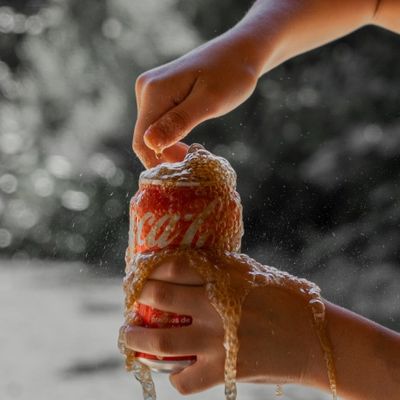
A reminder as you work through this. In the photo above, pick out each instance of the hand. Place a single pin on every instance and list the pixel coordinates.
(277, 339)
(172, 99)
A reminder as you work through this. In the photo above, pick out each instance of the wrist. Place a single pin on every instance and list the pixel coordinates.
(280, 30)
(256, 48)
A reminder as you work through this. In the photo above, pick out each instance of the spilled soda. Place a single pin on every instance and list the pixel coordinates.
(191, 208)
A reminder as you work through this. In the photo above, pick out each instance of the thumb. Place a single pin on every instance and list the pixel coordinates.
(177, 123)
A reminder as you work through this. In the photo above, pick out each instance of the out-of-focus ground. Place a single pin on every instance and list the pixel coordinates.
(58, 332)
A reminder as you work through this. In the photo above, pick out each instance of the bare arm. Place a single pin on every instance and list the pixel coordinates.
(387, 14)
(366, 356)
(221, 74)
(278, 342)
(291, 27)
(211, 81)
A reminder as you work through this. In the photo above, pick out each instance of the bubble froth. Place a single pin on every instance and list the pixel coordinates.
(227, 296)
(213, 178)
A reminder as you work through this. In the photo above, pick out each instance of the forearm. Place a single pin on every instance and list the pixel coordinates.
(277, 30)
(366, 357)
(387, 15)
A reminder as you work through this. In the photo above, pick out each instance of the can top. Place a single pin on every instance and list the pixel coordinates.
(198, 168)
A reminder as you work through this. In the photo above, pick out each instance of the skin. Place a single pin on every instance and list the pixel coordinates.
(216, 77)
(288, 351)
(206, 83)
(175, 287)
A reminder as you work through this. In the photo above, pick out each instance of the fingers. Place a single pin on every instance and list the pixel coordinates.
(203, 374)
(163, 120)
(155, 97)
(177, 269)
(150, 108)
(180, 299)
(175, 124)
(184, 341)
(147, 157)
(176, 152)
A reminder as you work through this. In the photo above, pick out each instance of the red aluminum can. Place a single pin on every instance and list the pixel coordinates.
(202, 210)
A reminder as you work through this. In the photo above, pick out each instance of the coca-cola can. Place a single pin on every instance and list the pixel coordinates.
(174, 214)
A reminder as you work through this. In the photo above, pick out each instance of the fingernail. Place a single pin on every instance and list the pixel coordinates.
(153, 137)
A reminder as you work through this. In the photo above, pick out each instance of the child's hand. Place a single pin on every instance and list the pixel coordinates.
(219, 75)
(277, 340)
(205, 83)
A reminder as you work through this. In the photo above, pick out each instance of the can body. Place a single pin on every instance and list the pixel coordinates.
(172, 216)
(152, 318)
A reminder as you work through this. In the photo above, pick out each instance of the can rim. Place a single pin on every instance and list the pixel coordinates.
(163, 366)
(148, 181)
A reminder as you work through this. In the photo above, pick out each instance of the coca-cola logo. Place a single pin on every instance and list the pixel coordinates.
(150, 231)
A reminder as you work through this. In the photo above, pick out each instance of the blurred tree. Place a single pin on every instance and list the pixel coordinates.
(316, 148)
(65, 119)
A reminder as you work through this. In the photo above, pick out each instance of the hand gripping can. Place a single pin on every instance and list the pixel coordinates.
(194, 204)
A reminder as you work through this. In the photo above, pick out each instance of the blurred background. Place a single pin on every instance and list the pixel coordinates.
(316, 149)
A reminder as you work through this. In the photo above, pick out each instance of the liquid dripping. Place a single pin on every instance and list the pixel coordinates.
(228, 275)
(278, 391)
(141, 372)
(228, 278)
(143, 375)
(318, 312)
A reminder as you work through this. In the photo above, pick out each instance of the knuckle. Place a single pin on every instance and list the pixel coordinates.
(147, 81)
(135, 147)
(141, 81)
(151, 84)
(161, 295)
(183, 388)
(173, 271)
(138, 146)
(163, 344)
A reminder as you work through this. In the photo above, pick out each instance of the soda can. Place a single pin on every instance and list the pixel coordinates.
(173, 213)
